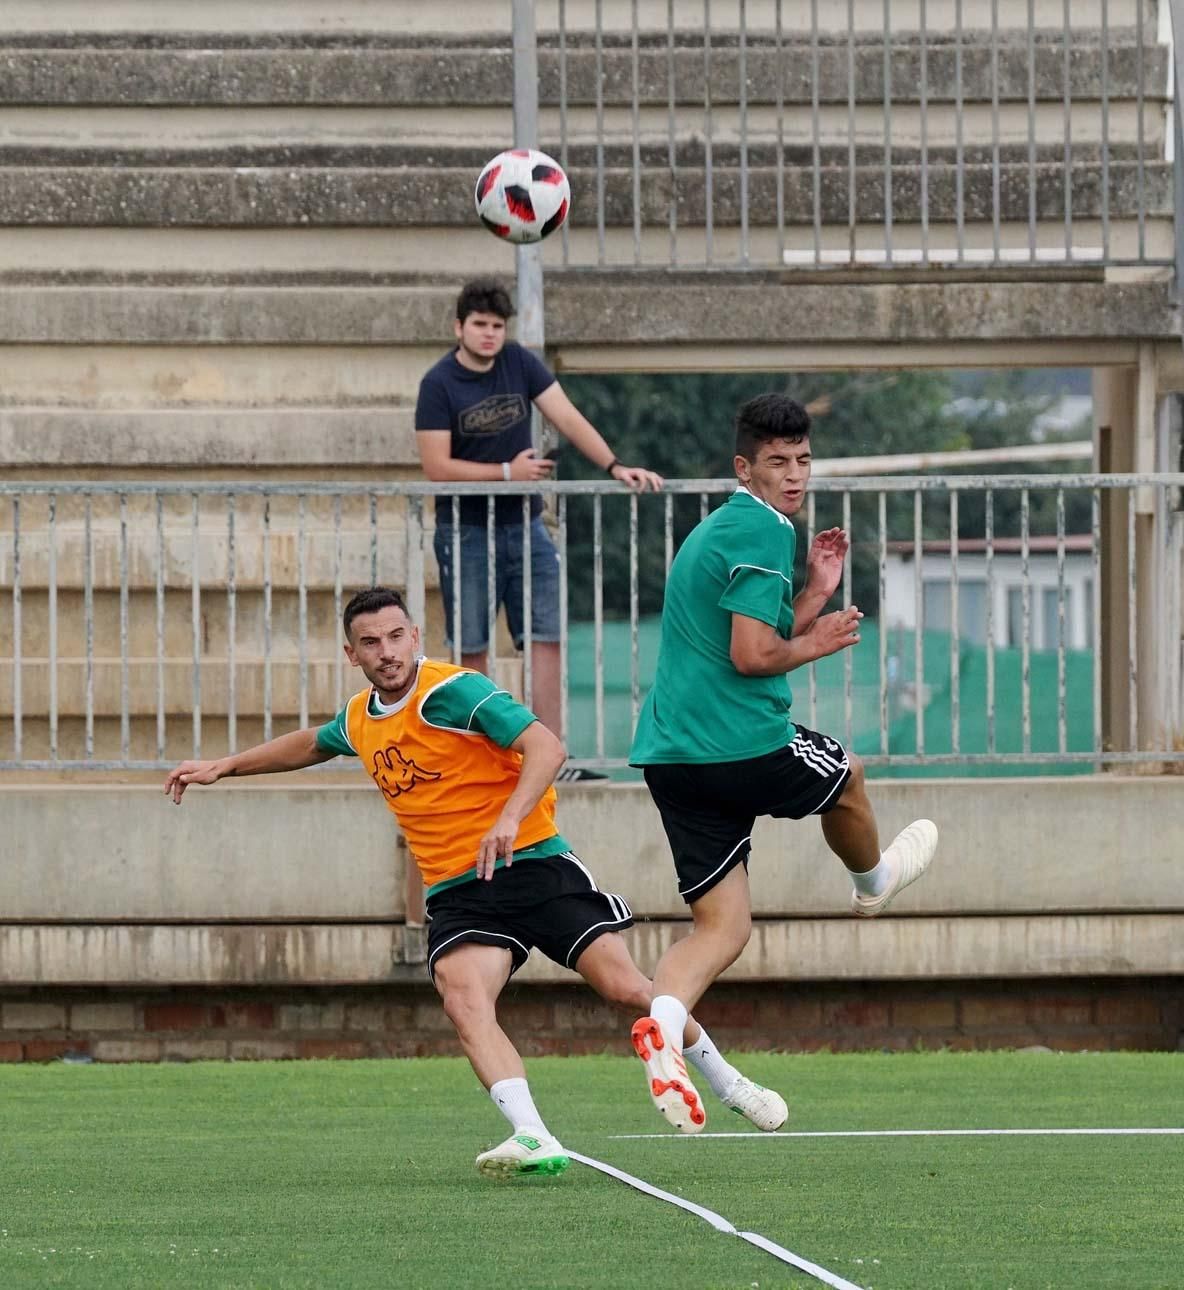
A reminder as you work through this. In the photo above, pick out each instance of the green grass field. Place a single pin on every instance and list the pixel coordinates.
(344, 1174)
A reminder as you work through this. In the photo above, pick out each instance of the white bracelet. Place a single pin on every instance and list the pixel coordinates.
(506, 471)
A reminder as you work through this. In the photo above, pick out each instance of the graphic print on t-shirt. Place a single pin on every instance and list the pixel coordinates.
(493, 415)
(395, 774)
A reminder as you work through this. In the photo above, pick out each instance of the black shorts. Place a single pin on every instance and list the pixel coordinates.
(708, 810)
(551, 902)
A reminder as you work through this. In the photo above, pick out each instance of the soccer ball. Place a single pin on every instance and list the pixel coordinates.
(522, 195)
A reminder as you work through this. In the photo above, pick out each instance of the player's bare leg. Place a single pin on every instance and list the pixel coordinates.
(609, 969)
(469, 980)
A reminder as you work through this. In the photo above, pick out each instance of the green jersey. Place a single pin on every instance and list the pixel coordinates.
(739, 560)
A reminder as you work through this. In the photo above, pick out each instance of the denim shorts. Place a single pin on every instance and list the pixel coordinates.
(508, 568)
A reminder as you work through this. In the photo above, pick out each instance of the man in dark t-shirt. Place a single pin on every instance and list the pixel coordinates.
(473, 424)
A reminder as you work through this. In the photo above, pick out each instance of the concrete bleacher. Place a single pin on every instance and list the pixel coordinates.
(231, 239)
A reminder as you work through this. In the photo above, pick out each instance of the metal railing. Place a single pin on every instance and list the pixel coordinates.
(150, 622)
(760, 133)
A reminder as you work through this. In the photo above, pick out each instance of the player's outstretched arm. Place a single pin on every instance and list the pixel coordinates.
(757, 649)
(542, 756)
(292, 751)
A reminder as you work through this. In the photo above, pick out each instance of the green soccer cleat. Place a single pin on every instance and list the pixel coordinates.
(521, 1155)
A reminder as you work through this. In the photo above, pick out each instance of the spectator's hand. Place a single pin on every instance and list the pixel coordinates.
(190, 772)
(529, 466)
(639, 479)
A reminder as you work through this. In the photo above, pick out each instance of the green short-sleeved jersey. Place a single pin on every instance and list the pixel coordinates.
(469, 702)
(739, 560)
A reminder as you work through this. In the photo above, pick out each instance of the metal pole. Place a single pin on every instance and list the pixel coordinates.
(526, 135)
(1177, 11)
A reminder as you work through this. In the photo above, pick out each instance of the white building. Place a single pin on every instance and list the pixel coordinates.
(1006, 590)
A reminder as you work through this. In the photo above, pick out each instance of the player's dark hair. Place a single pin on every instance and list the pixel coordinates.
(768, 417)
(371, 601)
(484, 296)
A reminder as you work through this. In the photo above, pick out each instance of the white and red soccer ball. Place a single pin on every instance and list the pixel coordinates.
(522, 195)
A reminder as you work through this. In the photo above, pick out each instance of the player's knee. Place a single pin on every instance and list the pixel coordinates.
(464, 1003)
(629, 994)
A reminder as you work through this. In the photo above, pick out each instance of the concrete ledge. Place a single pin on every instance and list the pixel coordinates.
(479, 73)
(831, 949)
(601, 309)
(222, 439)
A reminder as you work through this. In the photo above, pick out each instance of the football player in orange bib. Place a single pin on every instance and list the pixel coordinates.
(468, 773)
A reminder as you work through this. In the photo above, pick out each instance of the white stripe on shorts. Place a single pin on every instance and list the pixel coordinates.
(583, 868)
(814, 757)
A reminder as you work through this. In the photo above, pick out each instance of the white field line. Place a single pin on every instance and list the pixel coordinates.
(720, 1223)
(903, 1133)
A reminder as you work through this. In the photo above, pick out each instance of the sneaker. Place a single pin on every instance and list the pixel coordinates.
(524, 1153)
(759, 1106)
(570, 774)
(909, 856)
(670, 1087)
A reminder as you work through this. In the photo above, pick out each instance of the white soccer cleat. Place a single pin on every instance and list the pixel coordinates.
(760, 1106)
(908, 856)
(666, 1073)
(524, 1153)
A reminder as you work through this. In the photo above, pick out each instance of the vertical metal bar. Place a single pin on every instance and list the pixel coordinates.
(704, 507)
(1068, 127)
(457, 625)
(811, 521)
(883, 622)
(1032, 207)
(996, 176)
(852, 175)
(1062, 720)
(1096, 624)
(599, 66)
(815, 138)
(848, 658)
(708, 163)
(52, 610)
(527, 259)
(919, 629)
(1026, 638)
(924, 134)
(887, 132)
(1132, 638)
(125, 695)
(17, 661)
(302, 603)
(959, 142)
(1140, 134)
(668, 531)
(955, 633)
(989, 560)
(231, 627)
(636, 114)
(563, 149)
(88, 612)
(491, 585)
(634, 618)
(1104, 57)
(338, 608)
(267, 692)
(416, 592)
(598, 616)
(743, 68)
(195, 618)
(374, 538)
(527, 606)
(671, 132)
(160, 679)
(564, 678)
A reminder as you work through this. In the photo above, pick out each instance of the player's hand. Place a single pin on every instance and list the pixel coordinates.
(191, 772)
(528, 466)
(825, 559)
(833, 632)
(638, 479)
(499, 841)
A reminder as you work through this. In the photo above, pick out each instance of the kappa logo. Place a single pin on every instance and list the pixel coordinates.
(395, 775)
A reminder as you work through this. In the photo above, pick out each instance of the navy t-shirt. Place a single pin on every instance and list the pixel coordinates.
(489, 416)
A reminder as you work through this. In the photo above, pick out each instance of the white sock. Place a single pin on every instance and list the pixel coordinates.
(671, 1013)
(512, 1098)
(874, 882)
(706, 1059)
